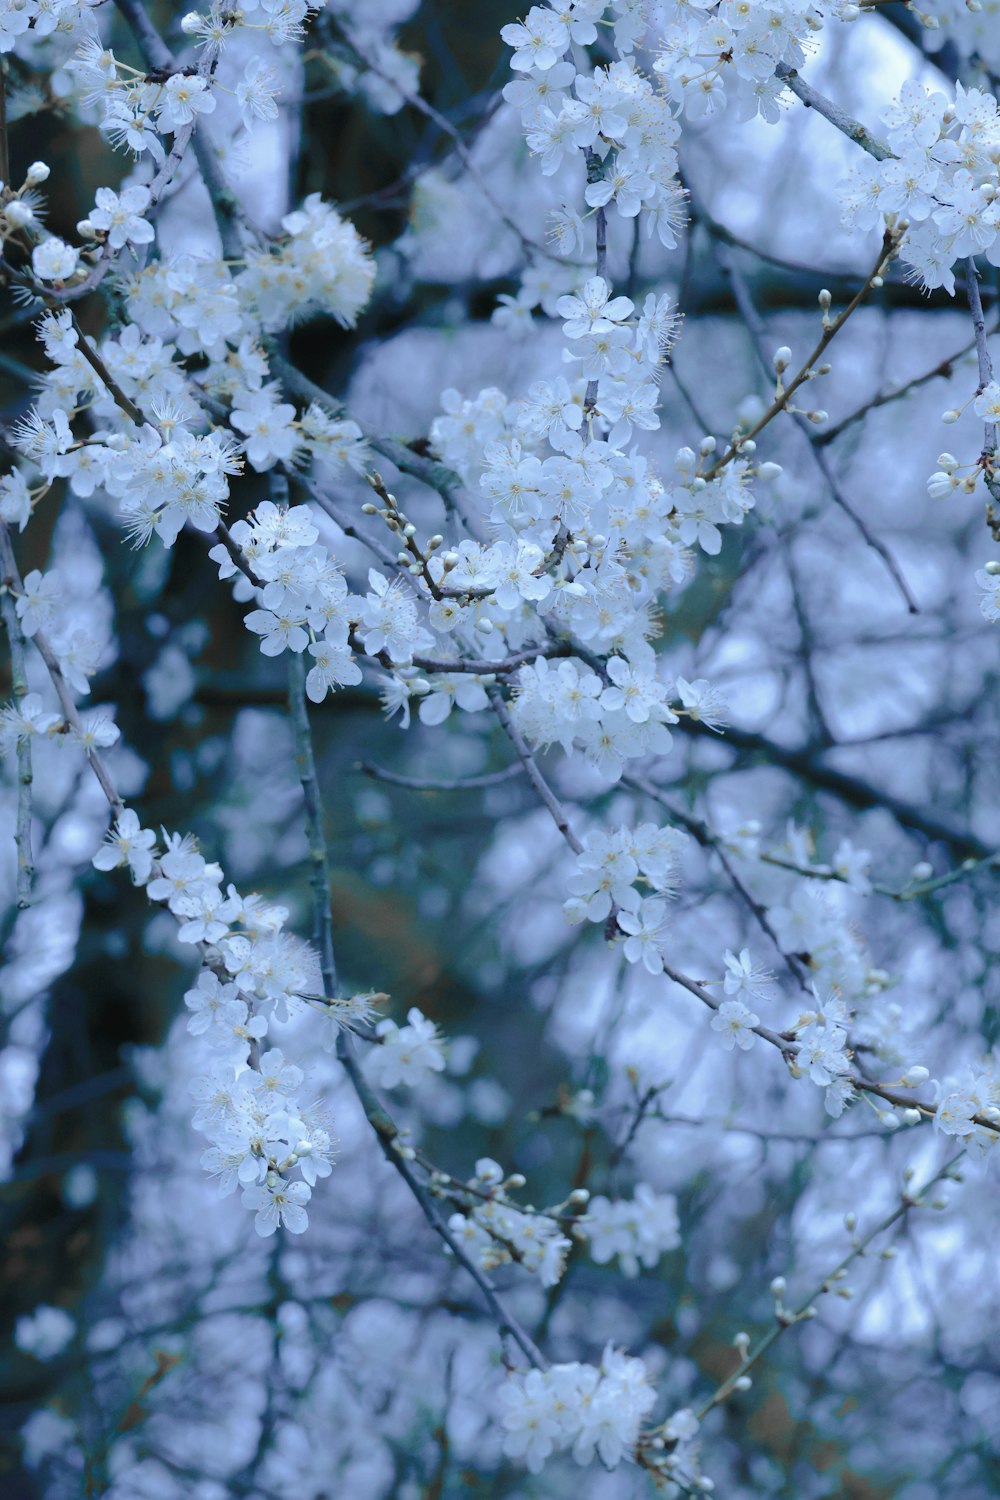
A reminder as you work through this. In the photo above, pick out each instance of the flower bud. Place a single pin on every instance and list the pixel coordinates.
(782, 358)
(992, 568)
(914, 1076)
(951, 415)
(36, 173)
(190, 23)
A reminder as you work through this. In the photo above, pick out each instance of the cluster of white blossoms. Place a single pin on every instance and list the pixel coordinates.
(249, 1104)
(30, 21)
(555, 614)
(975, 1091)
(636, 1231)
(617, 123)
(587, 1410)
(496, 1232)
(406, 1055)
(711, 55)
(941, 178)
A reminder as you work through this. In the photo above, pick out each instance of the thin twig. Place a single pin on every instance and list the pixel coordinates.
(45, 651)
(385, 1128)
(987, 459)
(19, 688)
(837, 117)
(545, 793)
(421, 784)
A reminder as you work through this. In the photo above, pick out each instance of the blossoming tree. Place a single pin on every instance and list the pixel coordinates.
(526, 899)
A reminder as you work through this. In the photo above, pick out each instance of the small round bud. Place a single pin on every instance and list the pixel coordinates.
(450, 560)
(579, 1195)
(369, 509)
(742, 1383)
(992, 568)
(782, 358)
(86, 229)
(949, 416)
(409, 529)
(947, 461)
(850, 1222)
(922, 870)
(434, 543)
(741, 1341)
(190, 23)
(769, 471)
(911, 1117)
(36, 173)
(778, 1286)
(516, 1180)
(818, 417)
(749, 446)
(707, 445)
(915, 1076)
(825, 298)
(877, 281)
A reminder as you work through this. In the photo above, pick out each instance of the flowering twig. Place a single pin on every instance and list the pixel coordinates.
(808, 370)
(755, 327)
(786, 1318)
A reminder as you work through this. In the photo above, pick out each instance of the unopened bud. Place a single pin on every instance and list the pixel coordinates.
(36, 173)
(190, 23)
(742, 1383)
(778, 1286)
(782, 358)
(951, 415)
(992, 568)
(914, 1076)
(825, 299)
